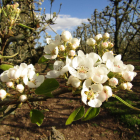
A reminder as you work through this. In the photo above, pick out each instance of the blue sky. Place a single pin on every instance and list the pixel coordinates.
(72, 13)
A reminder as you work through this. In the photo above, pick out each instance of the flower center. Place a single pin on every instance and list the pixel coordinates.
(82, 69)
(90, 95)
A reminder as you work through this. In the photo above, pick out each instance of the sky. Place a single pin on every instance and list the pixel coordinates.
(72, 13)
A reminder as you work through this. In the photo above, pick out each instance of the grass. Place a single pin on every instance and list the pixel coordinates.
(132, 60)
(124, 114)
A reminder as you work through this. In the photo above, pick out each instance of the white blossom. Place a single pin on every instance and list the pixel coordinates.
(34, 82)
(51, 51)
(23, 98)
(90, 42)
(20, 88)
(66, 36)
(74, 81)
(113, 81)
(2, 94)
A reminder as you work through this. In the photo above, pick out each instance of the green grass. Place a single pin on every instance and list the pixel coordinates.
(132, 60)
(137, 67)
(124, 114)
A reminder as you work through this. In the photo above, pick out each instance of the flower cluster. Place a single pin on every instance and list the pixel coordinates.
(12, 13)
(97, 76)
(20, 77)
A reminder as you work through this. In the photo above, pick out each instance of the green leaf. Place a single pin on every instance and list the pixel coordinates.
(91, 113)
(76, 115)
(5, 66)
(48, 85)
(124, 102)
(36, 117)
(42, 60)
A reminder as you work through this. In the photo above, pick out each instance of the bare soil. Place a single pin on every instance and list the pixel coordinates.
(18, 126)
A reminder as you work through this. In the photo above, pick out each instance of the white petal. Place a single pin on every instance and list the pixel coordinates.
(95, 103)
(53, 74)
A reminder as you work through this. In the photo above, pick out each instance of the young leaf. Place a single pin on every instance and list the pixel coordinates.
(76, 115)
(42, 60)
(91, 113)
(36, 117)
(48, 85)
(5, 67)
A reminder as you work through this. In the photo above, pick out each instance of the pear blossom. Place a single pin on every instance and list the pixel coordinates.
(2, 94)
(23, 98)
(90, 42)
(110, 45)
(51, 51)
(104, 45)
(123, 86)
(106, 36)
(105, 93)
(34, 82)
(98, 37)
(128, 75)
(75, 43)
(90, 93)
(14, 73)
(81, 67)
(114, 64)
(113, 81)
(61, 47)
(129, 85)
(74, 81)
(99, 74)
(20, 88)
(66, 36)
(72, 53)
(57, 40)
(59, 69)
(10, 84)
(4, 76)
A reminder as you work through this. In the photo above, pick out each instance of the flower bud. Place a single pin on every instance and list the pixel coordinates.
(61, 47)
(16, 4)
(20, 88)
(113, 82)
(123, 86)
(104, 45)
(54, 14)
(39, 3)
(129, 85)
(128, 75)
(10, 84)
(110, 45)
(74, 81)
(98, 37)
(2, 94)
(18, 11)
(23, 98)
(106, 36)
(39, 9)
(66, 36)
(90, 42)
(108, 91)
(8, 6)
(75, 43)
(72, 53)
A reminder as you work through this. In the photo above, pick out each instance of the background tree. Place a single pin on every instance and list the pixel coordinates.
(120, 19)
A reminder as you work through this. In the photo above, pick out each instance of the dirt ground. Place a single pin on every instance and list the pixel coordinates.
(18, 126)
